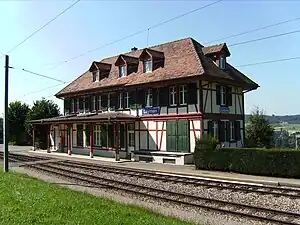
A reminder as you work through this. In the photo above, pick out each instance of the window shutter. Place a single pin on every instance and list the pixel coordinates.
(141, 98)
(155, 96)
(227, 131)
(237, 129)
(192, 93)
(132, 99)
(218, 94)
(210, 130)
(163, 96)
(229, 96)
(221, 130)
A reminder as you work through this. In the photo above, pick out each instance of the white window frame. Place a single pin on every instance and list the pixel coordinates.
(97, 135)
(99, 102)
(182, 94)
(149, 98)
(126, 100)
(97, 74)
(223, 95)
(222, 62)
(146, 62)
(77, 104)
(172, 95)
(72, 105)
(108, 101)
(120, 71)
(121, 100)
(232, 130)
(215, 128)
(93, 103)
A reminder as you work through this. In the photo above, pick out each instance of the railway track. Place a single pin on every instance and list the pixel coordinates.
(254, 212)
(247, 188)
(14, 157)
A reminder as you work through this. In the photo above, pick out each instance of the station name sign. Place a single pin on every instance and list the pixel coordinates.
(150, 110)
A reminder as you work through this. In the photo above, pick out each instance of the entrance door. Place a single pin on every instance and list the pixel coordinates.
(178, 138)
(130, 137)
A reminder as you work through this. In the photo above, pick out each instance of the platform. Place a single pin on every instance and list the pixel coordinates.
(186, 170)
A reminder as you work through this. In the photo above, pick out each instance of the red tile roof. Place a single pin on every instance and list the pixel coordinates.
(182, 58)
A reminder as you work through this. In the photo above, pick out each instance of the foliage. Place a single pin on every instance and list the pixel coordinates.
(1, 130)
(17, 113)
(266, 162)
(273, 119)
(41, 109)
(204, 145)
(31, 201)
(259, 132)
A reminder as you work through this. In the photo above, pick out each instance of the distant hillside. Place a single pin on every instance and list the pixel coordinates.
(291, 119)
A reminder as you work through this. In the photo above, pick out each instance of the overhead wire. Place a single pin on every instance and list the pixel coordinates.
(268, 62)
(254, 30)
(135, 33)
(46, 24)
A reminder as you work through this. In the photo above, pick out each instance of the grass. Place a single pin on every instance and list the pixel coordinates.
(25, 200)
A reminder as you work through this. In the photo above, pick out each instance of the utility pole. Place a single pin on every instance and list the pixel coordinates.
(5, 119)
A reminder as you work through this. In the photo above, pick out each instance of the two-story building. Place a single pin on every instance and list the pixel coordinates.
(152, 104)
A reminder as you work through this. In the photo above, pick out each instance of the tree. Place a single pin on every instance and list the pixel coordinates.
(1, 130)
(259, 132)
(41, 109)
(17, 113)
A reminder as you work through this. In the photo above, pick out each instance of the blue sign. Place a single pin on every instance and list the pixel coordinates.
(150, 110)
(224, 109)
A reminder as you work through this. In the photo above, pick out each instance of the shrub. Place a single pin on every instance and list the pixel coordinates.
(266, 162)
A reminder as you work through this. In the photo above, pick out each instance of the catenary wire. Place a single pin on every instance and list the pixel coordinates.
(268, 62)
(134, 34)
(35, 32)
(253, 30)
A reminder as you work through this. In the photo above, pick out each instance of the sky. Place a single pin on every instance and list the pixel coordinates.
(94, 23)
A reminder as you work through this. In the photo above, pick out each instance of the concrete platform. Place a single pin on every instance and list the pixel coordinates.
(187, 170)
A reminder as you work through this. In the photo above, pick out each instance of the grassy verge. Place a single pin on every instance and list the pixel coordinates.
(30, 201)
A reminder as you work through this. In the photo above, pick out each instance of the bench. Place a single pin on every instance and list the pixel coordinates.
(177, 158)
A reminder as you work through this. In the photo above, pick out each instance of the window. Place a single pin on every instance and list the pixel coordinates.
(99, 102)
(223, 95)
(232, 131)
(126, 100)
(130, 128)
(149, 98)
(77, 105)
(120, 100)
(213, 128)
(93, 107)
(222, 62)
(95, 76)
(72, 105)
(108, 101)
(172, 96)
(97, 135)
(182, 94)
(148, 66)
(122, 70)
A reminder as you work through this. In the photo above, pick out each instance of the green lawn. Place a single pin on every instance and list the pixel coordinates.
(24, 200)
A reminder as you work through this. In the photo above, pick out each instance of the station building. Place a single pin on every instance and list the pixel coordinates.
(152, 103)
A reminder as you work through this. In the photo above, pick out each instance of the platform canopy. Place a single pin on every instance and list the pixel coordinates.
(87, 117)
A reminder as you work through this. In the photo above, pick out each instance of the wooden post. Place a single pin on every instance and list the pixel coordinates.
(117, 140)
(33, 138)
(91, 125)
(69, 130)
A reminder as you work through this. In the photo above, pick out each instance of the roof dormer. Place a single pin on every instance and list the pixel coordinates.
(99, 70)
(151, 59)
(218, 54)
(127, 65)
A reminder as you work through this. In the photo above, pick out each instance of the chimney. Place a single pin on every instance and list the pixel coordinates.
(134, 49)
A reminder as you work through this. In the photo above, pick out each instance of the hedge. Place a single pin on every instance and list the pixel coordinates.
(266, 162)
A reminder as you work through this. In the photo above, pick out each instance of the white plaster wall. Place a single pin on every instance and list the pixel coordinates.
(160, 125)
(152, 140)
(152, 125)
(137, 147)
(143, 137)
(164, 141)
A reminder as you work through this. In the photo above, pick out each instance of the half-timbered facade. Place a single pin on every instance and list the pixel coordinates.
(153, 103)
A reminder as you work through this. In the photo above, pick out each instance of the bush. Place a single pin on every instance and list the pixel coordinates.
(266, 162)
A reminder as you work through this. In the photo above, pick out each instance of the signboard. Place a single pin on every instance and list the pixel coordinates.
(224, 109)
(151, 110)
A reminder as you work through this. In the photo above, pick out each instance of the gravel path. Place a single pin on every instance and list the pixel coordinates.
(198, 216)
(267, 201)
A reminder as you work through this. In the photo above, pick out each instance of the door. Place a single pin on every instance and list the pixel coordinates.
(80, 135)
(178, 136)
(130, 137)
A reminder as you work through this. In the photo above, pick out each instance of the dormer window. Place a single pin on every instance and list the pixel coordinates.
(95, 76)
(148, 66)
(122, 71)
(223, 62)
